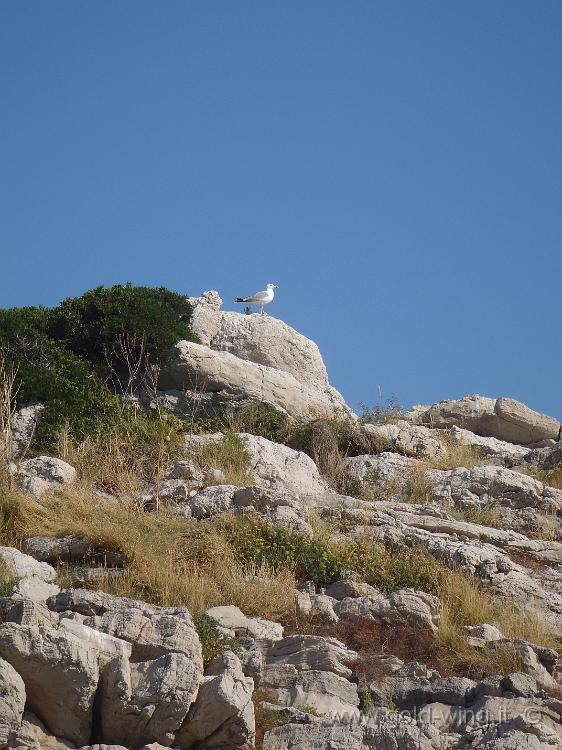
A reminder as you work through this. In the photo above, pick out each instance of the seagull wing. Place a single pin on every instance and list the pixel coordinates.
(257, 297)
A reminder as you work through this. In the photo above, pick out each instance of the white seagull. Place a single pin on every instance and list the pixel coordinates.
(260, 298)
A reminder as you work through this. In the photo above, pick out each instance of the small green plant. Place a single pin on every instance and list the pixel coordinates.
(387, 413)
(259, 543)
(228, 454)
(213, 642)
(7, 580)
(366, 701)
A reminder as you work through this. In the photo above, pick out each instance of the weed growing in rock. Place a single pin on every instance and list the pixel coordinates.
(228, 454)
(388, 413)
(213, 642)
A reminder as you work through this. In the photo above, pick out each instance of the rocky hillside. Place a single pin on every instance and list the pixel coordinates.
(205, 548)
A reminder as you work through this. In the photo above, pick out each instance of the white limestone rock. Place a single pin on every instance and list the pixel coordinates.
(407, 607)
(222, 716)
(196, 367)
(278, 467)
(408, 439)
(152, 631)
(232, 618)
(12, 698)
(39, 475)
(60, 673)
(502, 418)
(206, 316)
(482, 484)
(147, 701)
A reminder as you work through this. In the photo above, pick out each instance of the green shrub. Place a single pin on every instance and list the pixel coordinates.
(65, 357)
(262, 543)
(389, 570)
(213, 642)
(92, 326)
(7, 580)
(388, 413)
(324, 561)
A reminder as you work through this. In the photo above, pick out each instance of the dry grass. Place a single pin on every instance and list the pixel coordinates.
(137, 451)
(413, 487)
(457, 455)
(550, 477)
(465, 603)
(487, 515)
(169, 561)
(229, 455)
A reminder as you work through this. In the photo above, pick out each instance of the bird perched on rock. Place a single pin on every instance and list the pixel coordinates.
(260, 298)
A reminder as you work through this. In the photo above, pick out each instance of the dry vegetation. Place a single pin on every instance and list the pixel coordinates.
(457, 455)
(486, 515)
(550, 477)
(169, 560)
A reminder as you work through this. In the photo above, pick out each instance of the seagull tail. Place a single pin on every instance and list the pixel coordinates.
(240, 299)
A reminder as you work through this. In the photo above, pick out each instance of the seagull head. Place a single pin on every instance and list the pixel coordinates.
(271, 286)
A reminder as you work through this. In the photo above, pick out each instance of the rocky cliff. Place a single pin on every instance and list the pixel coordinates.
(222, 592)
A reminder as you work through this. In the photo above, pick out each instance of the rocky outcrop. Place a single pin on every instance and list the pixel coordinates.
(152, 631)
(60, 674)
(504, 487)
(258, 338)
(415, 609)
(222, 717)
(198, 368)
(31, 579)
(502, 418)
(39, 475)
(147, 701)
(246, 358)
(396, 732)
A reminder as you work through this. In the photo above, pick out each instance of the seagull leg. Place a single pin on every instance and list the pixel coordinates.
(261, 309)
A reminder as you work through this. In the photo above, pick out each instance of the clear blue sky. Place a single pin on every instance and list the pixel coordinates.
(395, 167)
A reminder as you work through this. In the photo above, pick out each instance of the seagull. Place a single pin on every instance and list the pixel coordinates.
(260, 298)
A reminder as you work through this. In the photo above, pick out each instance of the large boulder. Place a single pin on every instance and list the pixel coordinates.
(12, 698)
(144, 702)
(195, 367)
(407, 607)
(278, 467)
(31, 579)
(152, 631)
(271, 342)
(44, 473)
(60, 672)
(257, 338)
(502, 418)
(222, 717)
(484, 484)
